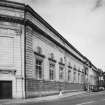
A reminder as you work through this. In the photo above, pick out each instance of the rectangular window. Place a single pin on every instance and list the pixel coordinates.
(69, 75)
(74, 76)
(52, 71)
(39, 70)
(61, 73)
(78, 77)
(82, 78)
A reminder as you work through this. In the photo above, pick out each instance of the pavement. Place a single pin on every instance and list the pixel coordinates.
(39, 99)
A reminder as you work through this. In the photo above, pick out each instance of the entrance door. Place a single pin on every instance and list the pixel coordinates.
(5, 89)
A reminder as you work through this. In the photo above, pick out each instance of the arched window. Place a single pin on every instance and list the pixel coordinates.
(39, 50)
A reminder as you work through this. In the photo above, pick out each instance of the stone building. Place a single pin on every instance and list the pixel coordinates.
(91, 75)
(35, 59)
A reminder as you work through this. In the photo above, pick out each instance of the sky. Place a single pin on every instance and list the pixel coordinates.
(81, 22)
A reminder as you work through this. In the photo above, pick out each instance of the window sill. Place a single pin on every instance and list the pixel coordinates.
(53, 60)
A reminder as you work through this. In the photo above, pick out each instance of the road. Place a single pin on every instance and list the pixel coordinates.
(97, 98)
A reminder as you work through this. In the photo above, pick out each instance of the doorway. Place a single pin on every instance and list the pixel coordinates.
(5, 89)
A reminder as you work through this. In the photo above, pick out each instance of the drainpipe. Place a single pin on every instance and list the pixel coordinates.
(25, 49)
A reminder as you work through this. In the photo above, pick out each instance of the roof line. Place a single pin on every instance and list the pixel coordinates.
(36, 15)
(13, 4)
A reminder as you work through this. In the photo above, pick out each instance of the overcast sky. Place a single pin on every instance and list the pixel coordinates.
(81, 22)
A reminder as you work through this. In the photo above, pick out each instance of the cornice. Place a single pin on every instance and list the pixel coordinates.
(12, 19)
(27, 8)
(21, 6)
(11, 4)
(50, 38)
(29, 23)
(37, 16)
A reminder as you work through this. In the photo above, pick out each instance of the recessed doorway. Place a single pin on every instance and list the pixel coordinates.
(5, 89)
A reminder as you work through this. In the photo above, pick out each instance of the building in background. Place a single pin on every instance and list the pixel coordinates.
(101, 78)
(35, 59)
(91, 75)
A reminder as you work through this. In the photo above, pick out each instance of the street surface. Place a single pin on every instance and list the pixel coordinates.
(84, 98)
(97, 98)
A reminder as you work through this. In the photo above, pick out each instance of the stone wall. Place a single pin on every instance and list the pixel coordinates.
(35, 88)
(12, 56)
(29, 52)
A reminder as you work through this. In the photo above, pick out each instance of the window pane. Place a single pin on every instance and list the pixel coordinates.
(51, 71)
(61, 73)
(69, 74)
(40, 62)
(37, 62)
(74, 76)
(40, 74)
(38, 69)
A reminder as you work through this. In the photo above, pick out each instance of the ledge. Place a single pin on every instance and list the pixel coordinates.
(53, 60)
(8, 70)
(43, 56)
(61, 63)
